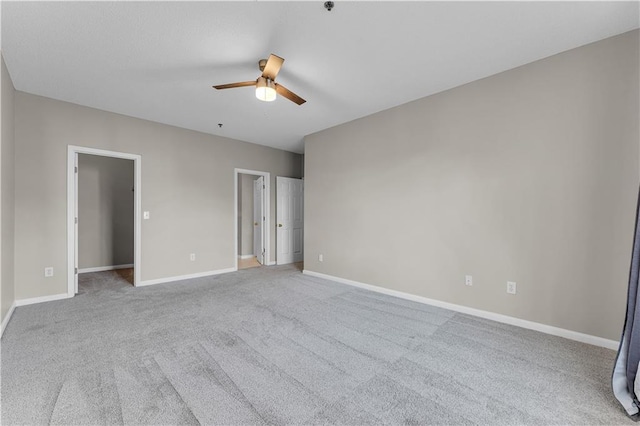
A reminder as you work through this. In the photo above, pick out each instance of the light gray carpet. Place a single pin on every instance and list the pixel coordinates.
(270, 345)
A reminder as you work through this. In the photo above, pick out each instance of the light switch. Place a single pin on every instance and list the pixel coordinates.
(145, 215)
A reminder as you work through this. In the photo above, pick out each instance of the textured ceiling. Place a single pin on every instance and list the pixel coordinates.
(158, 60)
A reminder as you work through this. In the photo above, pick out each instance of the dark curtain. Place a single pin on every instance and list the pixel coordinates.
(625, 387)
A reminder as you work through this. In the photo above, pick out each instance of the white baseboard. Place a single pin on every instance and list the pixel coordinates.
(185, 277)
(105, 268)
(41, 299)
(273, 262)
(548, 329)
(7, 318)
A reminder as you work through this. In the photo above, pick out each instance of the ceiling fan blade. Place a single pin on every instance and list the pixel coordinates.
(283, 91)
(232, 85)
(274, 63)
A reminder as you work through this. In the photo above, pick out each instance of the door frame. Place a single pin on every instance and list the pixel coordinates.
(72, 203)
(267, 210)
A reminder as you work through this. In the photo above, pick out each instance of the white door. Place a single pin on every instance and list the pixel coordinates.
(258, 219)
(289, 238)
(75, 229)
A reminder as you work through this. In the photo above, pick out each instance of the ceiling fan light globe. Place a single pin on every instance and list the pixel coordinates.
(265, 90)
(266, 94)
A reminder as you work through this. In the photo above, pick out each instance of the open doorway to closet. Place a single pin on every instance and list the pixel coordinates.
(104, 219)
(252, 218)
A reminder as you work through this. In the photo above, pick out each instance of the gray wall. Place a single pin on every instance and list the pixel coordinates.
(105, 211)
(7, 294)
(245, 214)
(530, 175)
(187, 186)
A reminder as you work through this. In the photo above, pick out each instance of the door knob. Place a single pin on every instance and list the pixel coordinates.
(279, 225)
(255, 223)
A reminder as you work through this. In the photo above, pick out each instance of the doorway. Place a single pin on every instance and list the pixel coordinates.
(104, 199)
(252, 218)
(105, 221)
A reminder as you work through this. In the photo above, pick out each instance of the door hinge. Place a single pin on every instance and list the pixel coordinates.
(76, 220)
(264, 218)
(264, 187)
(76, 169)
(76, 269)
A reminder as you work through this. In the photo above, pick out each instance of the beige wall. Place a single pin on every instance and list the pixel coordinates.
(187, 186)
(530, 175)
(7, 294)
(245, 214)
(105, 211)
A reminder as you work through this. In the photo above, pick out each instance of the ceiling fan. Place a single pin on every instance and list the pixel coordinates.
(266, 87)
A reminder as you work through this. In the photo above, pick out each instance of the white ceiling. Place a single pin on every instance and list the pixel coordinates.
(158, 60)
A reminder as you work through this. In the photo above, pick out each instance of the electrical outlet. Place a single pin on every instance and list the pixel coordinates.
(192, 257)
(145, 215)
(320, 258)
(468, 280)
(511, 287)
(48, 271)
